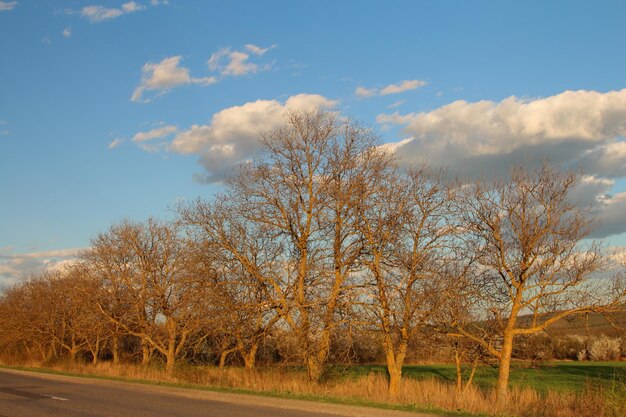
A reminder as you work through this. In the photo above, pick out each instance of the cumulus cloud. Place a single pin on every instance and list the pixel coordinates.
(5, 6)
(608, 159)
(575, 129)
(165, 75)
(484, 137)
(401, 87)
(96, 13)
(591, 190)
(18, 266)
(232, 137)
(67, 32)
(612, 216)
(236, 63)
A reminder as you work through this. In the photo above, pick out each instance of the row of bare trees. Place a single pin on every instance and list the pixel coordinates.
(325, 236)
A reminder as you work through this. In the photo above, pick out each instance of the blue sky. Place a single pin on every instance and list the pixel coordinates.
(114, 109)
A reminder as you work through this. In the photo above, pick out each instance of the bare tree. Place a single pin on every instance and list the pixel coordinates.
(298, 200)
(163, 300)
(247, 294)
(50, 314)
(529, 241)
(25, 325)
(405, 222)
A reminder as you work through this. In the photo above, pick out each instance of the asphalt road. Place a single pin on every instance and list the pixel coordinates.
(25, 394)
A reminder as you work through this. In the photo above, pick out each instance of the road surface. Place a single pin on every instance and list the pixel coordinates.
(27, 394)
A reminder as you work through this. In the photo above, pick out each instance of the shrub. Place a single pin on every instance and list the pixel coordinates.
(568, 347)
(605, 348)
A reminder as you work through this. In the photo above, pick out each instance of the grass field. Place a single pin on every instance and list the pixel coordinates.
(556, 376)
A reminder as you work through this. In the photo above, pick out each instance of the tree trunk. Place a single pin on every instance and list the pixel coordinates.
(459, 370)
(395, 378)
(170, 357)
(314, 369)
(223, 357)
(116, 349)
(145, 353)
(471, 377)
(73, 351)
(502, 389)
(394, 368)
(95, 352)
(170, 361)
(249, 358)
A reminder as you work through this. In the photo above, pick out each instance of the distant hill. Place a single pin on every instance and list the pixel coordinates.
(592, 324)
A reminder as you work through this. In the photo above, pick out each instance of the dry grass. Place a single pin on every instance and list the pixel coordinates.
(422, 394)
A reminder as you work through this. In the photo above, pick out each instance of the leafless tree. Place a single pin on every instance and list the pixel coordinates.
(246, 294)
(152, 278)
(406, 224)
(299, 203)
(532, 256)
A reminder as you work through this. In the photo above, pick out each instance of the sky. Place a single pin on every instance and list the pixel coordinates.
(114, 109)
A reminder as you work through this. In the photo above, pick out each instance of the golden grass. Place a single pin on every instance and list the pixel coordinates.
(423, 394)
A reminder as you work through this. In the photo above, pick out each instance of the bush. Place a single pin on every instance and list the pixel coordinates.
(569, 347)
(536, 347)
(605, 348)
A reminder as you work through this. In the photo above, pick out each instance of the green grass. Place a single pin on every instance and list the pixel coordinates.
(557, 376)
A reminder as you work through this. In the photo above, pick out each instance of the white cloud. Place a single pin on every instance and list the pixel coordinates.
(132, 6)
(484, 136)
(5, 6)
(396, 104)
(96, 13)
(18, 266)
(165, 75)
(67, 32)
(156, 133)
(158, 2)
(233, 135)
(608, 159)
(236, 63)
(612, 216)
(574, 129)
(115, 143)
(257, 50)
(147, 140)
(365, 92)
(401, 87)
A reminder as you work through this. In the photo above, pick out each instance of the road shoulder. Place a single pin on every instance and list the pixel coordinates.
(227, 397)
